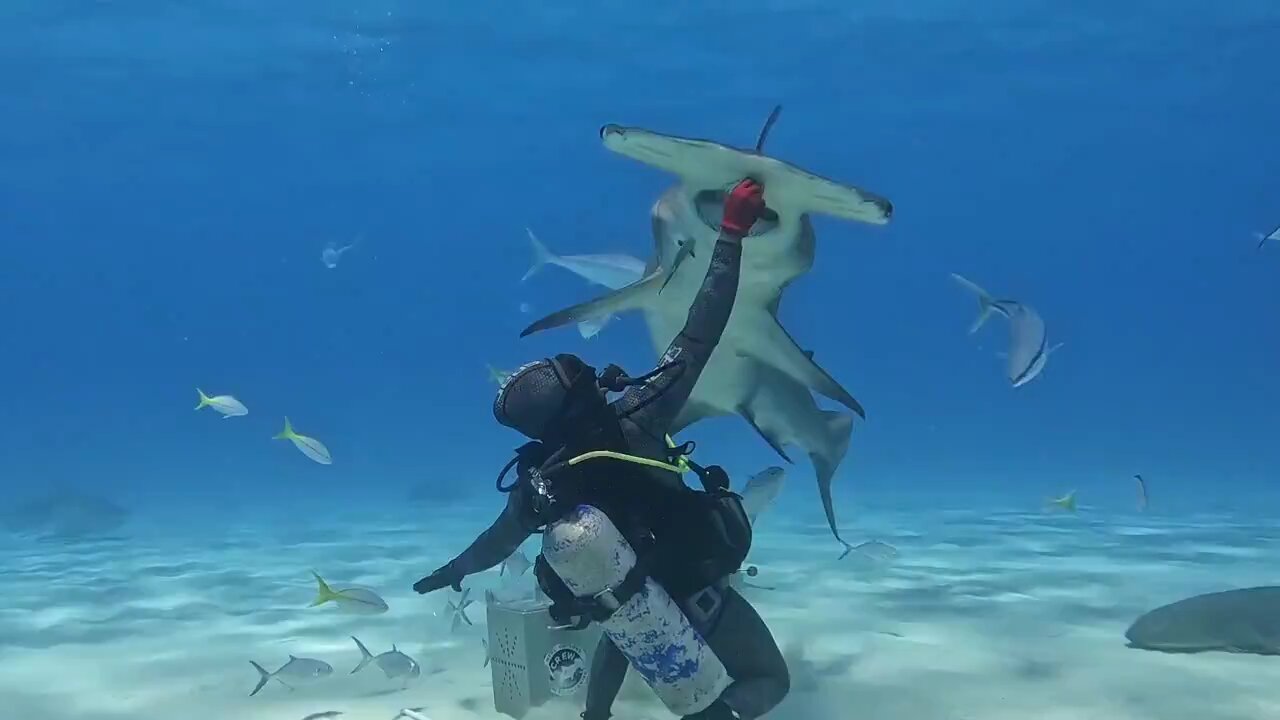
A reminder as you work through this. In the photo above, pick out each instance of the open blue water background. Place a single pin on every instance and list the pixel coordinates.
(170, 174)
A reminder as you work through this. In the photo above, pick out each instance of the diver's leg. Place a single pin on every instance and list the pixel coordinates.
(608, 669)
(746, 647)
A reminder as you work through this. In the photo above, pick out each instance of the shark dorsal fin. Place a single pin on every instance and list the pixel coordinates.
(768, 125)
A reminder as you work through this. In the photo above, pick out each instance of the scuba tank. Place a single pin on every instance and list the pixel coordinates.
(595, 562)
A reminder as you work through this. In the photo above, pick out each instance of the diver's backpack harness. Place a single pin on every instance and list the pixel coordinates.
(703, 536)
(711, 521)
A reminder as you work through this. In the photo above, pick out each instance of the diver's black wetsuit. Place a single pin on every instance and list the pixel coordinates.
(734, 631)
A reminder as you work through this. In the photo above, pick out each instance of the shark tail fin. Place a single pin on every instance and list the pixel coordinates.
(366, 657)
(985, 302)
(542, 256)
(838, 427)
(626, 298)
(263, 678)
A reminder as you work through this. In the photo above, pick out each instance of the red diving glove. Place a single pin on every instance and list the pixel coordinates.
(742, 207)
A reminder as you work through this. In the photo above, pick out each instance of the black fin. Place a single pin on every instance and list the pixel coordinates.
(768, 125)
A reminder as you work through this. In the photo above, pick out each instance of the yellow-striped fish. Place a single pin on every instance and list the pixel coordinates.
(362, 601)
(309, 446)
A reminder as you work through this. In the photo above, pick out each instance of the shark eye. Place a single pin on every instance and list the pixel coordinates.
(710, 207)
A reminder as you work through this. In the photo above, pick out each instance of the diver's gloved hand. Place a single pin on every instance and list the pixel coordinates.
(743, 206)
(447, 575)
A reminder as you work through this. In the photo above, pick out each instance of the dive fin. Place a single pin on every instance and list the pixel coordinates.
(627, 298)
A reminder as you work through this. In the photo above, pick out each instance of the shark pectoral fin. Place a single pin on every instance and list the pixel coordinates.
(773, 441)
(627, 298)
(780, 350)
(839, 427)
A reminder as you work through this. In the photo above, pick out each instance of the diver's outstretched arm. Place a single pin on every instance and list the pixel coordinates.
(493, 546)
(658, 402)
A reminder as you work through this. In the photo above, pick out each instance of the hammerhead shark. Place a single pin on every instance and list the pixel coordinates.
(757, 371)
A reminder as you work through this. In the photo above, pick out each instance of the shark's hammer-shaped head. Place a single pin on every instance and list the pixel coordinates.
(708, 171)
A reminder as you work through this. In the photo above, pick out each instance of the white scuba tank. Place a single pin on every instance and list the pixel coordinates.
(586, 550)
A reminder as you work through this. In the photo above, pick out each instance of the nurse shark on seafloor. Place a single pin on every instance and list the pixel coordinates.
(758, 371)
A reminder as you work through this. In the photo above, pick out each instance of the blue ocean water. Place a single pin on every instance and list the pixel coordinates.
(169, 176)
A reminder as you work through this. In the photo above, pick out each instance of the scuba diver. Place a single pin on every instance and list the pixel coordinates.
(688, 542)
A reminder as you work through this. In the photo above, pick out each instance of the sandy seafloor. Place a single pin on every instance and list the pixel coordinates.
(982, 616)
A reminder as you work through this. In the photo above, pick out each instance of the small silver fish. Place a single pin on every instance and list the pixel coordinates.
(412, 714)
(326, 715)
(393, 663)
(685, 251)
(332, 253)
(458, 611)
(874, 550)
(611, 271)
(516, 565)
(296, 670)
(1028, 342)
(761, 490)
(1274, 235)
(225, 404)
